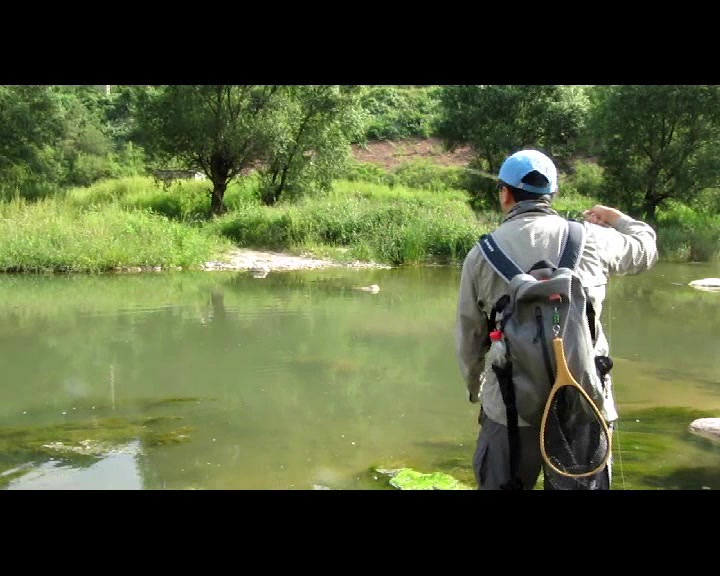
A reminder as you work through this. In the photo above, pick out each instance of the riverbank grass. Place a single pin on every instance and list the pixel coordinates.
(57, 236)
(140, 222)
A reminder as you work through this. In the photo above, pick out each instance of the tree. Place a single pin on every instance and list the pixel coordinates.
(31, 124)
(497, 120)
(219, 130)
(397, 112)
(84, 147)
(312, 132)
(658, 142)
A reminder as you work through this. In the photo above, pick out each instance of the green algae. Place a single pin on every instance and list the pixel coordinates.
(409, 479)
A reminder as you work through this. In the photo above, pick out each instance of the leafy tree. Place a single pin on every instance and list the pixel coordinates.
(219, 130)
(496, 120)
(31, 124)
(311, 135)
(84, 147)
(658, 142)
(397, 112)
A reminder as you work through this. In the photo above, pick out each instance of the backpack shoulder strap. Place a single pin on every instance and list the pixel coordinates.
(508, 269)
(574, 244)
(502, 264)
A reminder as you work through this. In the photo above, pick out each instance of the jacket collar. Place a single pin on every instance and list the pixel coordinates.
(539, 206)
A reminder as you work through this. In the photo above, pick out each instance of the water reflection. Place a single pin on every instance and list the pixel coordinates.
(117, 470)
(220, 381)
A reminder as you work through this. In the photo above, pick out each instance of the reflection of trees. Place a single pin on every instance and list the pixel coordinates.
(217, 302)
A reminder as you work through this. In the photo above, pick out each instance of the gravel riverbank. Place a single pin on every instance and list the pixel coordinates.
(265, 261)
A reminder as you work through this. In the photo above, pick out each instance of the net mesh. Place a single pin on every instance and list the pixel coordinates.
(575, 441)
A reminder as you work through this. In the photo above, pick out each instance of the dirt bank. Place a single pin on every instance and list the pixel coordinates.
(391, 154)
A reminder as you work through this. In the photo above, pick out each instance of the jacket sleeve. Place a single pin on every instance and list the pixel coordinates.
(628, 247)
(471, 330)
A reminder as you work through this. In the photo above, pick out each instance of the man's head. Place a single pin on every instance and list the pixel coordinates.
(527, 175)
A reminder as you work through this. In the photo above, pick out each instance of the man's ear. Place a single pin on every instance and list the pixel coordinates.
(504, 195)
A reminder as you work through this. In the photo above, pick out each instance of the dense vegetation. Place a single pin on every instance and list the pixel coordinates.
(77, 191)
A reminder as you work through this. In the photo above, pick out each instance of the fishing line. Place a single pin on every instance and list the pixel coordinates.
(617, 422)
(482, 173)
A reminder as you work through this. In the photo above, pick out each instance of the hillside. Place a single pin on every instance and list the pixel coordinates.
(391, 154)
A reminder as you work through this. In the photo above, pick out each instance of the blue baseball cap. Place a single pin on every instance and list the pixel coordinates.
(520, 164)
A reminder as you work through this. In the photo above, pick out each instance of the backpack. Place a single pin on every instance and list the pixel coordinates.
(546, 301)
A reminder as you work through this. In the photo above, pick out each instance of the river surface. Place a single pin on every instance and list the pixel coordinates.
(297, 381)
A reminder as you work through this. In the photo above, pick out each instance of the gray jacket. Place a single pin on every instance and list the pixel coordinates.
(628, 247)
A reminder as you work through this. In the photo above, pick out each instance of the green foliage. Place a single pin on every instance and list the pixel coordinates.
(586, 179)
(85, 147)
(397, 112)
(365, 172)
(89, 168)
(260, 227)
(572, 205)
(418, 174)
(59, 136)
(312, 128)
(707, 200)
(185, 200)
(424, 175)
(658, 142)
(20, 181)
(296, 137)
(31, 126)
(497, 120)
(108, 191)
(53, 236)
(687, 235)
(390, 225)
(220, 130)
(119, 111)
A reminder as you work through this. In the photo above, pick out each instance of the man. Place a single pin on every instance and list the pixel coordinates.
(532, 231)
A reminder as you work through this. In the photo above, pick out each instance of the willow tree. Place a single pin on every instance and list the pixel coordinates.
(219, 130)
(496, 120)
(311, 136)
(297, 137)
(658, 142)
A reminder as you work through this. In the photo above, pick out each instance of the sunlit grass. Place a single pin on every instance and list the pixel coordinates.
(56, 236)
(140, 221)
(363, 221)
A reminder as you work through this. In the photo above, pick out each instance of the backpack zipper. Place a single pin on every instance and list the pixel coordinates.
(543, 344)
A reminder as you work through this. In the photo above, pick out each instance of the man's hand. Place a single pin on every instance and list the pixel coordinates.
(602, 215)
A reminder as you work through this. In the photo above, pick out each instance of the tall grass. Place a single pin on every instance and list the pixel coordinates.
(395, 225)
(56, 236)
(688, 235)
(184, 200)
(410, 216)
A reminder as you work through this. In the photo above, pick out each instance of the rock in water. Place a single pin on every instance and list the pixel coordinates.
(706, 427)
(709, 284)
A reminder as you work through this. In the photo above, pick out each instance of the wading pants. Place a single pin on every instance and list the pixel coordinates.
(491, 462)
